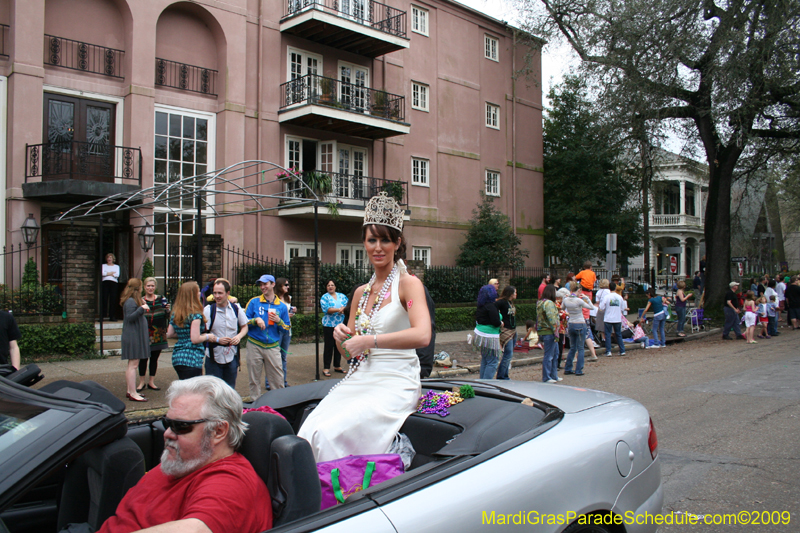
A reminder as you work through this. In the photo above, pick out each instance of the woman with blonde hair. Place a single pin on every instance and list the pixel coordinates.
(188, 326)
(135, 340)
(157, 316)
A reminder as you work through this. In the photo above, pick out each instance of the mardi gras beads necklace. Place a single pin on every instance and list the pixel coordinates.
(364, 322)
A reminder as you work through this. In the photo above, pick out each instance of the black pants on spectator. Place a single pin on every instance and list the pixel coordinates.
(108, 299)
(330, 352)
(153, 364)
(186, 372)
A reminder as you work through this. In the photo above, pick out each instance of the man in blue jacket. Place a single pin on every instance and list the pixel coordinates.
(266, 316)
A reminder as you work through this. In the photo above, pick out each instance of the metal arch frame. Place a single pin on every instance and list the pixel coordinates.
(187, 188)
(162, 195)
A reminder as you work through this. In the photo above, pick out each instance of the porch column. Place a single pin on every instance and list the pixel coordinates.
(682, 262)
(682, 184)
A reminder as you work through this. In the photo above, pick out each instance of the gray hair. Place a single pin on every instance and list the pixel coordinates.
(222, 404)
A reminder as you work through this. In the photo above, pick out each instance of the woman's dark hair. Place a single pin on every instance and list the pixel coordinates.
(508, 292)
(651, 292)
(486, 295)
(386, 232)
(771, 283)
(325, 285)
(549, 293)
(279, 287)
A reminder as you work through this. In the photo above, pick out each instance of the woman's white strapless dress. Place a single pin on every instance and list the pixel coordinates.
(363, 414)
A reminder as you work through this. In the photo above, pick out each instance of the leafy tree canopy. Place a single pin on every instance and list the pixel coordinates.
(491, 242)
(728, 70)
(586, 195)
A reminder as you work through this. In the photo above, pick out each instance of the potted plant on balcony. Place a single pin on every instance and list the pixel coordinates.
(394, 189)
(319, 182)
(326, 91)
(379, 104)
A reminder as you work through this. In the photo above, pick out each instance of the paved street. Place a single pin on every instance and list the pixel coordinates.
(726, 414)
(727, 417)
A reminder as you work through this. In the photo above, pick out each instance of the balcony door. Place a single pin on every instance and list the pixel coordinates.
(355, 9)
(351, 182)
(354, 86)
(78, 139)
(304, 68)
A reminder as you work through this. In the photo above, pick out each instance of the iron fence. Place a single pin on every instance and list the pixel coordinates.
(376, 15)
(186, 77)
(242, 269)
(77, 55)
(77, 160)
(449, 285)
(319, 90)
(25, 290)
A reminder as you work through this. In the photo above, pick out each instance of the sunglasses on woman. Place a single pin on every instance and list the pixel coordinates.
(181, 427)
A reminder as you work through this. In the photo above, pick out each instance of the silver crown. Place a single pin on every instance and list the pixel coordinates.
(384, 211)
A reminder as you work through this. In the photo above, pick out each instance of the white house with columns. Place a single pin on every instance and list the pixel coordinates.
(677, 211)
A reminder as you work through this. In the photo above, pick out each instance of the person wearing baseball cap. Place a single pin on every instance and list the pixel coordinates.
(731, 310)
(266, 316)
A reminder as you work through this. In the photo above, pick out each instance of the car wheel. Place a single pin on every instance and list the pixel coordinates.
(586, 528)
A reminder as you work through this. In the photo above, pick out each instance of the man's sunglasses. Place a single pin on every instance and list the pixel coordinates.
(181, 427)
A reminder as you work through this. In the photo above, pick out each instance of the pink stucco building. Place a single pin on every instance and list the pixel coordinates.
(108, 96)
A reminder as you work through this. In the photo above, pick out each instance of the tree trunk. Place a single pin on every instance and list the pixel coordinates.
(721, 162)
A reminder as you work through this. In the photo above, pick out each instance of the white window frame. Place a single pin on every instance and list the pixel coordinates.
(306, 249)
(420, 96)
(421, 178)
(492, 190)
(492, 116)
(305, 55)
(424, 253)
(491, 47)
(353, 250)
(364, 97)
(419, 20)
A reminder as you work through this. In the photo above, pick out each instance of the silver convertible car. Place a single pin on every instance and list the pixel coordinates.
(519, 456)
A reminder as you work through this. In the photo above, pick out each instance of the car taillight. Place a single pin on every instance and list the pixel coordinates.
(652, 440)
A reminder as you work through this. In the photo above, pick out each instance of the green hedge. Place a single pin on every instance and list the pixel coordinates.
(59, 339)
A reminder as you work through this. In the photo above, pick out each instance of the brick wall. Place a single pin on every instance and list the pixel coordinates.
(81, 271)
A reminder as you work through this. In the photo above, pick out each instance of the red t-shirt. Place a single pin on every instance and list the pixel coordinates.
(226, 495)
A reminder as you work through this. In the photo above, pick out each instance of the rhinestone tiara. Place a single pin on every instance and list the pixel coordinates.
(384, 211)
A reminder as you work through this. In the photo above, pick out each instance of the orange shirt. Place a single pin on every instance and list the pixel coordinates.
(587, 278)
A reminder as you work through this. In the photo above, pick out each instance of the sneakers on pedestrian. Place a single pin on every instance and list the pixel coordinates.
(655, 346)
(551, 381)
(593, 358)
(623, 353)
(560, 379)
(608, 354)
(644, 345)
(568, 372)
(595, 344)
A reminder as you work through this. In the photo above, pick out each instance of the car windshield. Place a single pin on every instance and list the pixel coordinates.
(22, 422)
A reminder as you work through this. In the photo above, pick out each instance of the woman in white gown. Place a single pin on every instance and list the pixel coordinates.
(363, 413)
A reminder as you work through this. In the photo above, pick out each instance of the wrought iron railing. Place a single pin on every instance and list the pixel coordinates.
(319, 90)
(186, 77)
(76, 55)
(346, 187)
(378, 16)
(3, 36)
(77, 160)
(25, 288)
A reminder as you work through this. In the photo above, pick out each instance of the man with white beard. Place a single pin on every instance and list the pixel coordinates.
(202, 483)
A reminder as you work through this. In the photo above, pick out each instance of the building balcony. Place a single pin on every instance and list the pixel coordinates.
(364, 27)
(673, 221)
(346, 195)
(186, 77)
(327, 104)
(79, 171)
(85, 57)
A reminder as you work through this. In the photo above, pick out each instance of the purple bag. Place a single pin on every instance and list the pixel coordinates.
(346, 476)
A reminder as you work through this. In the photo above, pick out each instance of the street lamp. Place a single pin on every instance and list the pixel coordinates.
(30, 230)
(146, 237)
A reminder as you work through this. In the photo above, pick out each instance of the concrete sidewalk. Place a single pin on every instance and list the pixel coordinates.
(302, 368)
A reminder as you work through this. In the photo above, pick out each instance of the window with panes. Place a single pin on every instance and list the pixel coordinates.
(492, 116)
(422, 253)
(419, 171)
(490, 47)
(419, 20)
(419, 96)
(492, 183)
